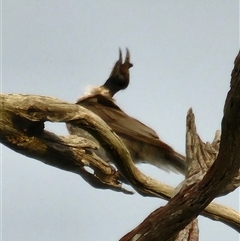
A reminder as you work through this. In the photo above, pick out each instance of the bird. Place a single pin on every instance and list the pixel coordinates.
(142, 142)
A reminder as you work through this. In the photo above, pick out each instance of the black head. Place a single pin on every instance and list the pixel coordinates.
(119, 77)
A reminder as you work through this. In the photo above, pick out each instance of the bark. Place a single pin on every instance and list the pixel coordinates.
(22, 129)
(165, 222)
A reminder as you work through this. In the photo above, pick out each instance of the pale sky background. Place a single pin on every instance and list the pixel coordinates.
(183, 54)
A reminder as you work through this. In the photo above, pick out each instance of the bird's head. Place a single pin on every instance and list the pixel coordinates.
(119, 77)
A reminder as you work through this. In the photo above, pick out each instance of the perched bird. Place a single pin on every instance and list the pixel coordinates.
(142, 142)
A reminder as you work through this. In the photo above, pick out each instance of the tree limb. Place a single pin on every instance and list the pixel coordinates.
(165, 222)
(22, 129)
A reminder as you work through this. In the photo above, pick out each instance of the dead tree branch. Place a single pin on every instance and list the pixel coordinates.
(197, 192)
(22, 129)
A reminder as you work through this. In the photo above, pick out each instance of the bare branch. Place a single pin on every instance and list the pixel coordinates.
(198, 192)
(189, 233)
(22, 129)
(214, 169)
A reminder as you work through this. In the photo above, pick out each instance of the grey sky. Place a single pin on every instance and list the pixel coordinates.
(183, 55)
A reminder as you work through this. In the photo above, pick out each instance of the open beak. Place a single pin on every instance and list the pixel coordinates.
(122, 68)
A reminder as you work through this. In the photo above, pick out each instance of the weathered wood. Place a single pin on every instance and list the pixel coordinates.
(22, 120)
(72, 153)
(22, 129)
(166, 222)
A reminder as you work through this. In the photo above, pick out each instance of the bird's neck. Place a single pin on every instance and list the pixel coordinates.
(111, 87)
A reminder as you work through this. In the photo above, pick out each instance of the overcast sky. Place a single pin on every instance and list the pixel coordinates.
(183, 54)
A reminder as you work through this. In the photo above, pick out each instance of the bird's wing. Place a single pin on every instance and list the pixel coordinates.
(120, 122)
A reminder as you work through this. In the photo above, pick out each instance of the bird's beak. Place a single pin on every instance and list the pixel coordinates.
(122, 68)
(127, 59)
